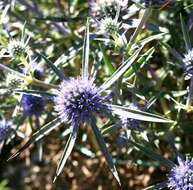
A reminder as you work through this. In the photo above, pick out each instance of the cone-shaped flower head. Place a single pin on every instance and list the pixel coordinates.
(188, 64)
(77, 100)
(17, 48)
(4, 129)
(32, 105)
(13, 81)
(181, 175)
(107, 8)
(108, 26)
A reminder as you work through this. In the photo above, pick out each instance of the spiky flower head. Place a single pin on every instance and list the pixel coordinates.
(13, 81)
(5, 127)
(17, 48)
(108, 26)
(181, 175)
(107, 8)
(32, 105)
(188, 64)
(77, 100)
(150, 3)
(128, 123)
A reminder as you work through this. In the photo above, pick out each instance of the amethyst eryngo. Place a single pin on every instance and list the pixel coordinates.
(180, 176)
(32, 105)
(5, 127)
(18, 48)
(113, 17)
(99, 9)
(108, 26)
(78, 101)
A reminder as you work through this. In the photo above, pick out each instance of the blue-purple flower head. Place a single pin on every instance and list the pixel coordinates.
(5, 127)
(32, 105)
(128, 123)
(35, 68)
(188, 64)
(181, 175)
(77, 100)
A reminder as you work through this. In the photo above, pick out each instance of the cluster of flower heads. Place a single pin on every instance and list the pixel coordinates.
(180, 176)
(110, 16)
